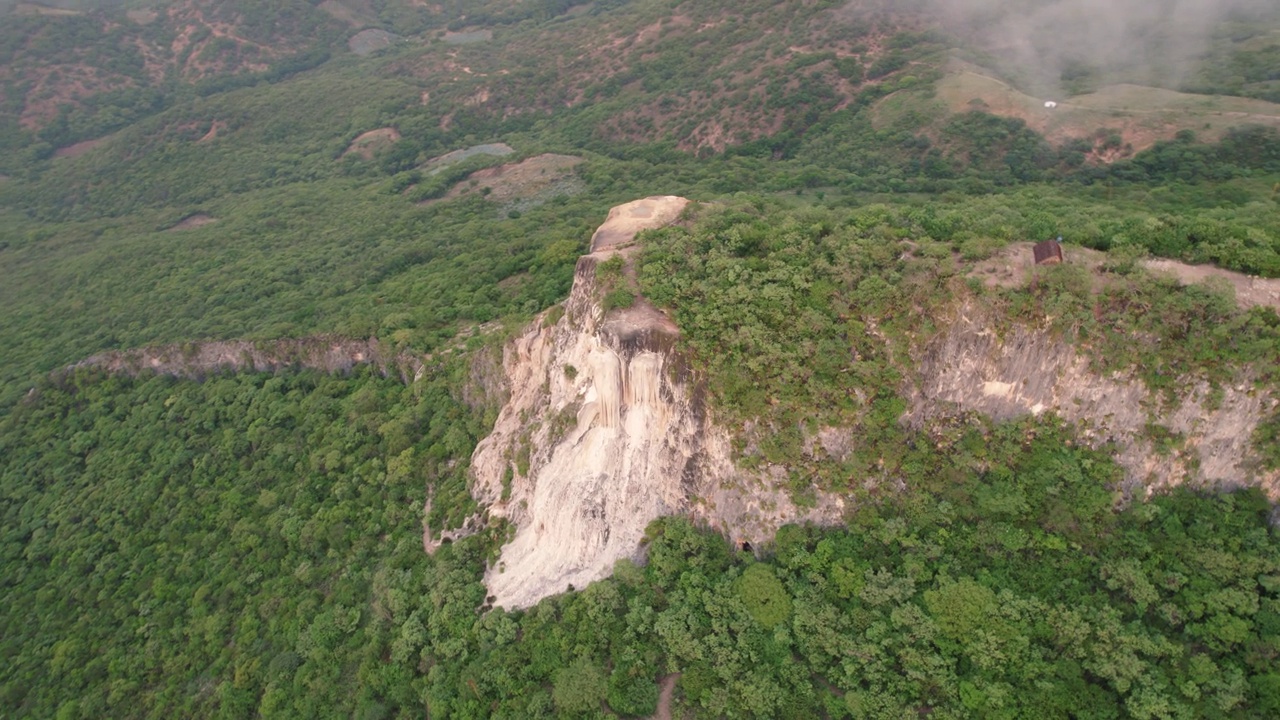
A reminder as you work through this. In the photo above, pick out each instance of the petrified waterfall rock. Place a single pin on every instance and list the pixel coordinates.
(601, 435)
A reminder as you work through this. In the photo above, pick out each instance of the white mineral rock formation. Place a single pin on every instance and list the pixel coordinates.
(606, 427)
(605, 431)
(597, 439)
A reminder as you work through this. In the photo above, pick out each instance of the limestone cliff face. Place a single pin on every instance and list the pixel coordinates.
(605, 431)
(1028, 371)
(600, 435)
(606, 427)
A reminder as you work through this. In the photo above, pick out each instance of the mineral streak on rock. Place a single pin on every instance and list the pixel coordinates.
(607, 432)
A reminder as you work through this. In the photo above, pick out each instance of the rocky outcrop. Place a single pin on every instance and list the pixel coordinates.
(605, 430)
(1203, 437)
(606, 427)
(600, 434)
(198, 359)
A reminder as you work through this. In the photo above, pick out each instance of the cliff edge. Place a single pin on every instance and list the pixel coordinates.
(607, 425)
(600, 435)
(606, 430)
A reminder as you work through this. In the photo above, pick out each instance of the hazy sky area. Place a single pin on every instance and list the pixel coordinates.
(1151, 41)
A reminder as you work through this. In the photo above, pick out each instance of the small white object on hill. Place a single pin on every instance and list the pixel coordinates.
(1050, 104)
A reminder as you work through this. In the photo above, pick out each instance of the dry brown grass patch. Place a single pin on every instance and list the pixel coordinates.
(368, 144)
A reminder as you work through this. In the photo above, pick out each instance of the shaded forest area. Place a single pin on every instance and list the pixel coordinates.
(251, 546)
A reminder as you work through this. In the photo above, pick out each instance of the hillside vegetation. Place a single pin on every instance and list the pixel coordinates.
(816, 318)
(253, 545)
(249, 546)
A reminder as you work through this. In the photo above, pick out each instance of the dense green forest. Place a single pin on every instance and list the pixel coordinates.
(812, 318)
(200, 548)
(253, 545)
(250, 546)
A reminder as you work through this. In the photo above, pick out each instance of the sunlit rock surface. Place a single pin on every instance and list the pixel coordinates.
(599, 437)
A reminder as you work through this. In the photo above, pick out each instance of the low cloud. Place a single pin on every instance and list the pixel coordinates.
(1048, 44)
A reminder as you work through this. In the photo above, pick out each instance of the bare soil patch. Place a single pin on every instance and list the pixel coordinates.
(34, 9)
(367, 42)
(368, 144)
(1141, 116)
(343, 13)
(1250, 291)
(213, 131)
(436, 164)
(522, 184)
(78, 149)
(467, 37)
(194, 221)
(665, 695)
(154, 58)
(142, 17)
(1013, 265)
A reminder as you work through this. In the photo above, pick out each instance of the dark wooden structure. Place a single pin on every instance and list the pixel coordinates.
(1048, 252)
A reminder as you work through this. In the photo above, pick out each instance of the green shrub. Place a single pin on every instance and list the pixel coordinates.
(579, 688)
(764, 595)
(618, 299)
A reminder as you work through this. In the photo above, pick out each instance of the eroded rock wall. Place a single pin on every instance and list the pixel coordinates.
(598, 437)
(1029, 371)
(606, 427)
(605, 430)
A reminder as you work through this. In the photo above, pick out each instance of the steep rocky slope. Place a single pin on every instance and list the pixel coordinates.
(198, 359)
(606, 430)
(1202, 437)
(597, 438)
(607, 425)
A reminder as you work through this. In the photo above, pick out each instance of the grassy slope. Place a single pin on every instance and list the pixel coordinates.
(1142, 115)
(307, 242)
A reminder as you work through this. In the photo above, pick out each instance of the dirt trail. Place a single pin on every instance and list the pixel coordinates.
(212, 134)
(1250, 291)
(668, 685)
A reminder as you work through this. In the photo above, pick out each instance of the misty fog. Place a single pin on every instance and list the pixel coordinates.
(1050, 46)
